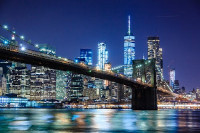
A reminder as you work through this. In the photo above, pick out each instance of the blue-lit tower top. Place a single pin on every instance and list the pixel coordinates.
(102, 56)
(129, 51)
(86, 54)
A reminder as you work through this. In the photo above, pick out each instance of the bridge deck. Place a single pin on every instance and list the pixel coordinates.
(12, 53)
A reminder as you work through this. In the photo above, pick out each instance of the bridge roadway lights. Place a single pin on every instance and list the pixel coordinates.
(144, 98)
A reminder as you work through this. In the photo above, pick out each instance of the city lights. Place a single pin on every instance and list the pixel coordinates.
(5, 26)
(136, 72)
(99, 66)
(22, 37)
(23, 48)
(5, 42)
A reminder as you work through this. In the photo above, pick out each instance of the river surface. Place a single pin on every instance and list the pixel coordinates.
(98, 120)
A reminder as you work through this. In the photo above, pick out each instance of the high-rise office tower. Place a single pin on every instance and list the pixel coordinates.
(172, 77)
(63, 79)
(76, 87)
(61, 84)
(155, 52)
(129, 51)
(102, 56)
(86, 54)
(43, 80)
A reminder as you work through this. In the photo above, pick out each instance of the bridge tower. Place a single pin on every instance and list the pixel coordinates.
(144, 98)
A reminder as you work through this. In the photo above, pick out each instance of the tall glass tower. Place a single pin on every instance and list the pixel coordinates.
(129, 51)
(102, 56)
(86, 54)
(155, 52)
(172, 77)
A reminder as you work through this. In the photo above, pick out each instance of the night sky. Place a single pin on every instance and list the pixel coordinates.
(70, 25)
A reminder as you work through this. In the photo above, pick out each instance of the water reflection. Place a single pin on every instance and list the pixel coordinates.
(98, 120)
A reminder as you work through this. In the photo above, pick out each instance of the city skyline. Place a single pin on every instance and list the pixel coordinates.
(112, 35)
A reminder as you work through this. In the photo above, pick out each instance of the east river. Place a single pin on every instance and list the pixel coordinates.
(98, 120)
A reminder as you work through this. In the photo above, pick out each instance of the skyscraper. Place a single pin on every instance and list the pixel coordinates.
(155, 52)
(129, 51)
(172, 77)
(63, 79)
(76, 87)
(86, 54)
(102, 56)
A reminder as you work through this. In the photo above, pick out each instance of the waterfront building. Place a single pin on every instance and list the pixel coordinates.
(76, 87)
(89, 88)
(19, 80)
(155, 52)
(43, 83)
(172, 77)
(86, 54)
(12, 100)
(99, 86)
(102, 56)
(43, 80)
(63, 79)
(4, 72)
(129, 51)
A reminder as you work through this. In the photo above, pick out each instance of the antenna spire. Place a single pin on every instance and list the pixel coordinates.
(129, 25)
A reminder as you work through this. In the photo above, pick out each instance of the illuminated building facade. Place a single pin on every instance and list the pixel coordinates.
(107, 69)
(89, 88)
(4, 72)
(43, 80)
(11, 100)
(63, 79)
(155, 52)
(129, 51)
(76, 87)
(61, 84)
(86, 54)
(19, 80)
(99, 86)
(102, 56)
(172, 77)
